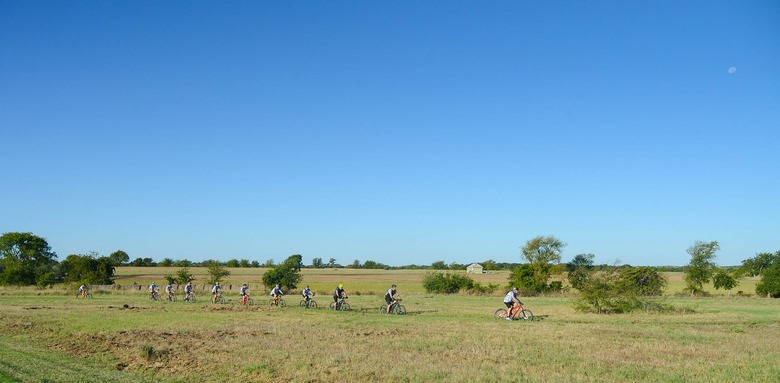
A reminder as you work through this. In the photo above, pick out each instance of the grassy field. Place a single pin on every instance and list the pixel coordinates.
(48, 335)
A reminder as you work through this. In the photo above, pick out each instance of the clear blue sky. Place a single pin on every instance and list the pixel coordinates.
(400, 132)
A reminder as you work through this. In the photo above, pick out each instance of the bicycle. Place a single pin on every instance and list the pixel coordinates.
(277, 301)
(517, 312)
(246, 301)
(395, 308)
(218, 298)
(171, 298)
(190, 298)
(308, 303)
(84, 295)
(340, 305)
(154, 296)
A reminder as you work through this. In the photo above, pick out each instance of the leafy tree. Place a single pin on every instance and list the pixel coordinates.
(355, 264)
(374, 265)
(578, 277)
(217, 272)
(255, 264)
(119, 258)
(166, 262)
(287, 274)
(581, 260)
(317, 263)
(244, 263)
(641, 281)
(766, 265)
(332, 263)
(439, 265)
(269, 263)
(26, 259)
(722, 279)
(184, 275)
(617, 290)
(89, 269)
(543, 255)
(489, 265)
(143, 262)
(171, 278)
(701, 267)
(232, 263)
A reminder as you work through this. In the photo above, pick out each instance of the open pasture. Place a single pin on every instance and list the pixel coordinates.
(48, 335)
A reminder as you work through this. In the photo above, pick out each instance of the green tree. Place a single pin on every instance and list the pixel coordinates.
(332, 263)
(119, 258)
(244, 263)
(255, 264)
(184, 275)
(641, 281)
(287, 274)
(232, 263)
(166, 262)
(722, 279)
(88, 269)
(439, 265)
(26, 259)
(701, 267)
(217, 272)
(581, 260)
(766, 265)
(317, 263)
(543, 255)
(182, 263)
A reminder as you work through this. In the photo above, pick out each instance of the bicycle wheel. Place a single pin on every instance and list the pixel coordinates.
(383, 309)
(312, 304)
(400, 310)
(250, 302)
(282, 303)
(192, 298)
(345, 306)
(332, 305)
(89, 295)
(272, 302)
(528, 315)
(221, 299)
(500, 314)
(303, 304)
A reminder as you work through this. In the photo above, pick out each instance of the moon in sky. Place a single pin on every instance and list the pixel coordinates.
(733, 70)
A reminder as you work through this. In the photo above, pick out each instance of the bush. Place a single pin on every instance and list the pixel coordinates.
(620, 292)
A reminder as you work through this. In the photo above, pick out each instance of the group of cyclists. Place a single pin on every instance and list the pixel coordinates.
(339, 294)
(170, 292)
(511, 299)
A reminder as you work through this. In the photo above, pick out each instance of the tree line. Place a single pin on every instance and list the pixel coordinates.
(27, 259)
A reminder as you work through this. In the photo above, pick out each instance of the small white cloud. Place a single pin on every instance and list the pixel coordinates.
(733, 70)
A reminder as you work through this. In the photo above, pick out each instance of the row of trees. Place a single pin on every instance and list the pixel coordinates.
(27, 259)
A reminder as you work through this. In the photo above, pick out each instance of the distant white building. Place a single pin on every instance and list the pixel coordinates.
(474, 268)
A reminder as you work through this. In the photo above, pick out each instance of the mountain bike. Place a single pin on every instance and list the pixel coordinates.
(190, 298)
(517, 312)
(85, 294)
(308, 303)
(340, 305)
(218, 298)
(171, 297)
(277, 301)
(395, 308)
(154, 296)
(246, 301)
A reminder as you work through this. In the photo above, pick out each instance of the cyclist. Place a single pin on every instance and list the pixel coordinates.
(153, 289)
(307, 294)
(215, 290)
(244, 293)
(339, 293)
(169, 290)
(276, 293)
(188, 292)
(509, 300)
(390, 296)
(83, 291)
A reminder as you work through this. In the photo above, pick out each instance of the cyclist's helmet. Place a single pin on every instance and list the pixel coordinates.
(393, 285)
(514, 288)
(244, 284)
(341, 285)
(307, 286)
(277, 285)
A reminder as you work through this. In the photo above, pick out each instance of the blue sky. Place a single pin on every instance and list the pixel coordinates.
(400, 132)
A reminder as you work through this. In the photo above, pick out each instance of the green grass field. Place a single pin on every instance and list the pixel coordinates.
(50, 336)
